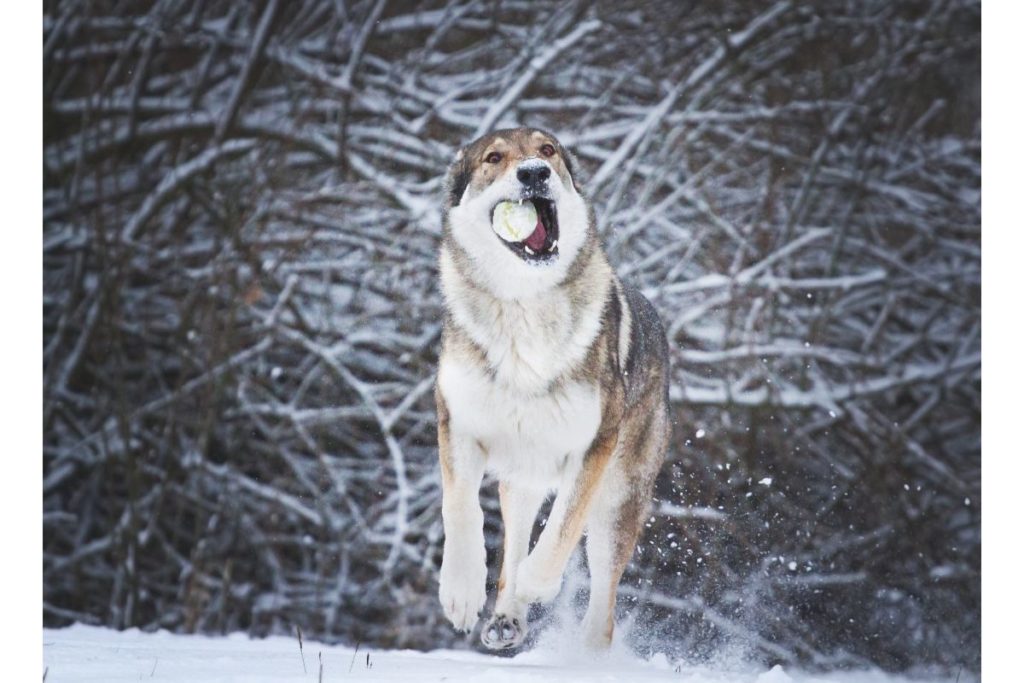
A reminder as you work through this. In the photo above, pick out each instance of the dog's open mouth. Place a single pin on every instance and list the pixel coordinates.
(539, 245)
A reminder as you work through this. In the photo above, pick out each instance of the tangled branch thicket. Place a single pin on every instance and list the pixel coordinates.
(241, 312)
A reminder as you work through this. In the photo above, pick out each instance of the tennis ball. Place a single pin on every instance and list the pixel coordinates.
(514, 221)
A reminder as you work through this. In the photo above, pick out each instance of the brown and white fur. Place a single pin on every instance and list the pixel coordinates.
(553, 376)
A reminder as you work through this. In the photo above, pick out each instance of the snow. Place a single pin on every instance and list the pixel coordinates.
(95, 654)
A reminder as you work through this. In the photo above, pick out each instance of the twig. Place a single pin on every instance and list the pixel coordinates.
(354, 653)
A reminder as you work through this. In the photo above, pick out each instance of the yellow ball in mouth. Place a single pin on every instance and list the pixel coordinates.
(514, 221)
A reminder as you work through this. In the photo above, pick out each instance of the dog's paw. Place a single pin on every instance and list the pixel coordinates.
(534, 583)
(463, 590)
(503, 632)
(597, 633)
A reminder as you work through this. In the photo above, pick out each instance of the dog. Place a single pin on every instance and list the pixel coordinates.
(553, 376)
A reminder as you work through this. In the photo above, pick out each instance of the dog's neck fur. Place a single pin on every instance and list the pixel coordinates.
(533, 343)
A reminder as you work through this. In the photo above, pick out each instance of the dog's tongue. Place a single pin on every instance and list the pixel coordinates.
(537, 238)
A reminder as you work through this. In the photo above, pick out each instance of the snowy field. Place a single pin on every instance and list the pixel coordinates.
(87, 653)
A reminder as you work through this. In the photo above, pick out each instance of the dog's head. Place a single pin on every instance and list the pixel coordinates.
(516, 165)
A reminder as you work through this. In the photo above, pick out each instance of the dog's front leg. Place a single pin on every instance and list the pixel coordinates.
(540, 575)
(463, 577)
(519, 504)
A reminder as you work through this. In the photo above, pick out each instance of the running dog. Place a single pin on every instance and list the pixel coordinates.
(553, 376)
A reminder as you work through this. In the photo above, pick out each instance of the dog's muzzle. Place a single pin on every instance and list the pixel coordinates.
(534, 177)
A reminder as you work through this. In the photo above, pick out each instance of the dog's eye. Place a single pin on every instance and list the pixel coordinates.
(547, 150)
(493, 157)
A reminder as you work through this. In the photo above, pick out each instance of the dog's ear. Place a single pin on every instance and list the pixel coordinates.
(458, 178)
(571, 165)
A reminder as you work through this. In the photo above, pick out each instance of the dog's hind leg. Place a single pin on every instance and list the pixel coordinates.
(519, 506)
(612, 531)
(615, 522)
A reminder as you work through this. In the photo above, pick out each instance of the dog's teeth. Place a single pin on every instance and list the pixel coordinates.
(528, 250)
(554, 245)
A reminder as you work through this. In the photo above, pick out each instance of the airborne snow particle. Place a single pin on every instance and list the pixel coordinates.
(767, 481)
(700, 434)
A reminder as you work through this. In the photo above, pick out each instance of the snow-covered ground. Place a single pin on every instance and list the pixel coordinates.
(87, 653)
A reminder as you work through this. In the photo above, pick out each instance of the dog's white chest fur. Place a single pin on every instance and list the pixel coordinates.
(520, 407)
(532, 438)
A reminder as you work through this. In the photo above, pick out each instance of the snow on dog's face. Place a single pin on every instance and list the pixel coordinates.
(514, 208)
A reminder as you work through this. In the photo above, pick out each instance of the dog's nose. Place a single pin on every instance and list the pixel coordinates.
(533, 176)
